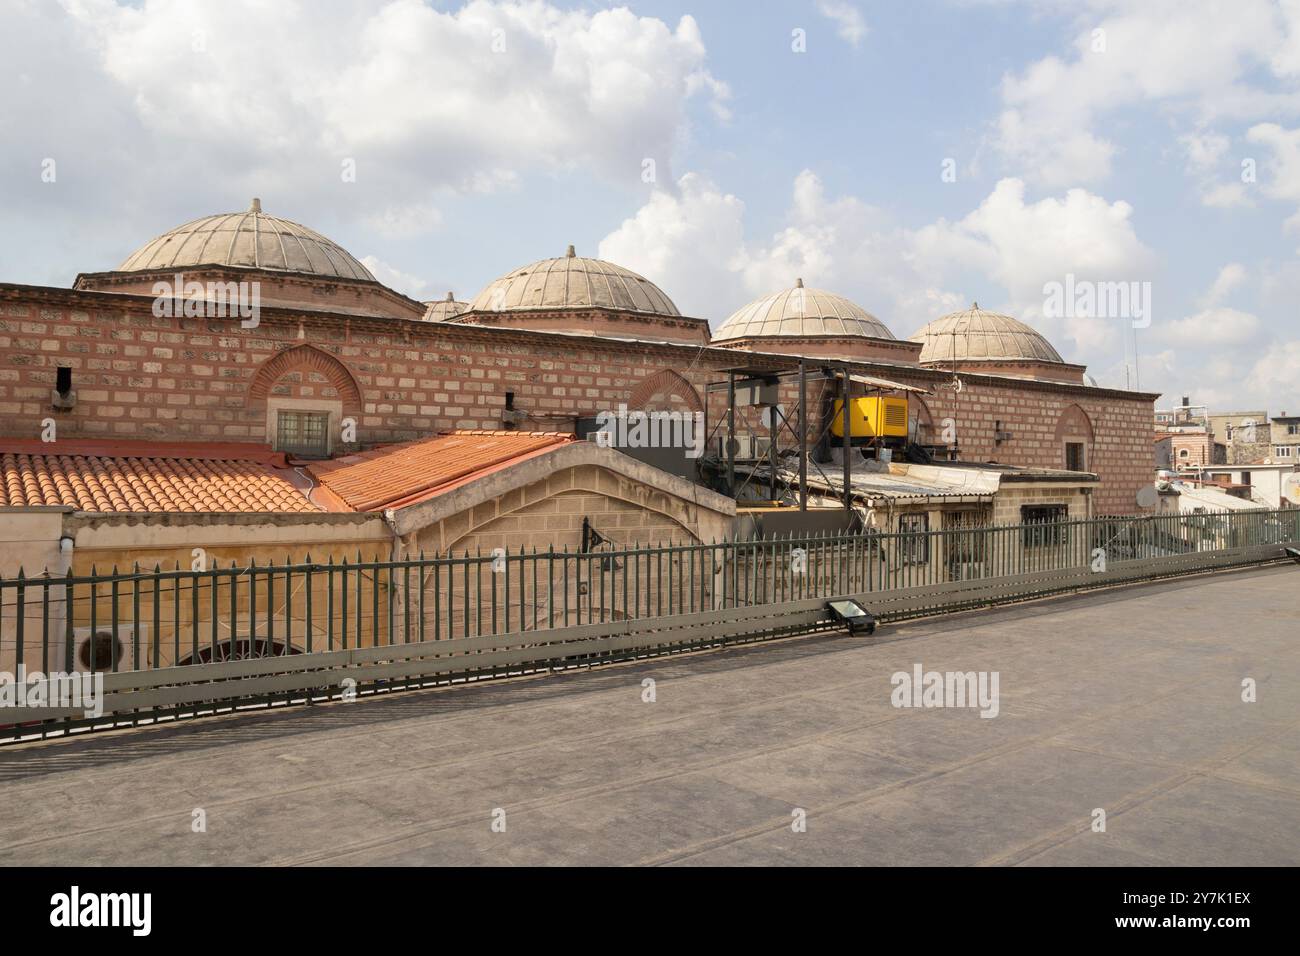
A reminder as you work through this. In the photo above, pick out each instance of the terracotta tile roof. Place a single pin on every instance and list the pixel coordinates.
(134, 483)
(403, 474)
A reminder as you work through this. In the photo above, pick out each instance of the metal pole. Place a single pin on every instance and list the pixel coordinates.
(803, 436)
(772, 412)
(847, 441)
(731, 434)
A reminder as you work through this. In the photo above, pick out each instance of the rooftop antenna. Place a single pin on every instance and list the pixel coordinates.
(1137, 368)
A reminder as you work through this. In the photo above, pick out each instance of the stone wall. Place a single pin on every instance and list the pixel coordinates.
(139, 376)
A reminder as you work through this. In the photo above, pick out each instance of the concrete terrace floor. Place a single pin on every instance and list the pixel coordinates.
(1127, 699)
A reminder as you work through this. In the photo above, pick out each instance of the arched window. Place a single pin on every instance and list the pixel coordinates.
(308, 395)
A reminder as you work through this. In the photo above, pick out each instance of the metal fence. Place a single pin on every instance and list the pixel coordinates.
(194, 640)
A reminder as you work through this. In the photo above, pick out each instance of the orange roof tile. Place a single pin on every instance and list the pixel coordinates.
(414, 471)
(143, 484)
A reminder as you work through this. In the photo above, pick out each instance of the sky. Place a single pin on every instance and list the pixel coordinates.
(914, 157)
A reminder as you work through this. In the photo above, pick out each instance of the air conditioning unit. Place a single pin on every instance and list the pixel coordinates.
(748, 447)
(101, 644)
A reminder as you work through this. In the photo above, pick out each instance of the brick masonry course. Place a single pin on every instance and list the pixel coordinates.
(174, 378)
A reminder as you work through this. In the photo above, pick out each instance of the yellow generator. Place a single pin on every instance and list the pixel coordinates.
(872, 418)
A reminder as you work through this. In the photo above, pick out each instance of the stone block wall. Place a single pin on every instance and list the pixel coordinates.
(143, 377)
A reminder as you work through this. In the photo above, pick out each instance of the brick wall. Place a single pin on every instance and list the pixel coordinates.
(1198, 447)
(141, 376)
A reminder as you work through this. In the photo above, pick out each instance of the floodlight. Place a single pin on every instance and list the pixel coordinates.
(853, 616)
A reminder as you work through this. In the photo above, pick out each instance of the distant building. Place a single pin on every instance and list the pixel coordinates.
(1286, 438)
(1245, 435)
(1192, 447)
(1168, 419)
(1208, 498)
(1262, 480)
(1164, 449)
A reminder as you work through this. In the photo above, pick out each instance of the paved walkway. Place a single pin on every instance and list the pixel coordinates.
(1126, 700)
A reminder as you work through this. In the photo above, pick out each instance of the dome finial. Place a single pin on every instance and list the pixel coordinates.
(451, 297)
(570, 253)
(974, 306)
(798, 283)
(255, 205)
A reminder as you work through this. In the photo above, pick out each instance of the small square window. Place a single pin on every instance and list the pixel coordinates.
(1042, 524)
(914, 545)
(1074, 457)
(304, 434)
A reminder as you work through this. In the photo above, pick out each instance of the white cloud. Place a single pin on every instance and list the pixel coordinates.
(1225, 195)
(1226, 356)
(1281, 176)
(271, 99)
(1209, 328)
(1022, 246)
(403, 282)
(1229, 278)
(1274, 378)
(405, 221)
(851, 25)
(1193, 57)
(1205, 149)
(690, 241)
(1207, 157)
(693, 242)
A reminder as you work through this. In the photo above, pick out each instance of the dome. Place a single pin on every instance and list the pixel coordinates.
(249, 239)
(802, 312)
(440, 310)
(976, 335)
(572, 282)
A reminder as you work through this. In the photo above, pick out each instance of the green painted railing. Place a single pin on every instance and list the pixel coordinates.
(155, 618)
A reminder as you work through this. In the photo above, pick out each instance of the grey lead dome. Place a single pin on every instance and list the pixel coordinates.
(977, 334)
(250, 239)
(573, 282)
(800, 312)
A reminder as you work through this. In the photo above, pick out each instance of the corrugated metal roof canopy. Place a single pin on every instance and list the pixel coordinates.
(873, 382)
